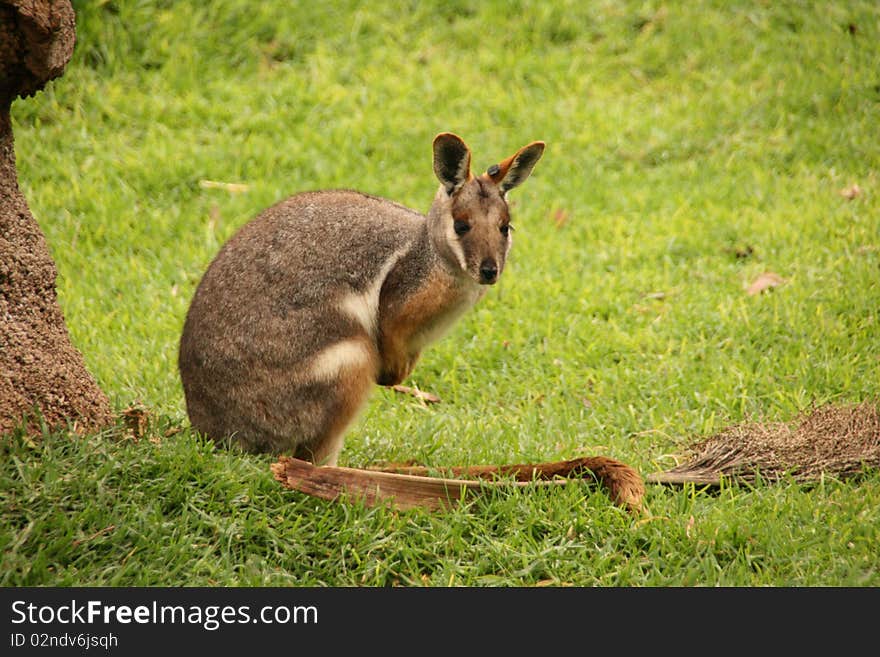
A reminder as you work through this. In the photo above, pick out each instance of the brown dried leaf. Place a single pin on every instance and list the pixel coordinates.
(100, 532)
(765, 281)
(851, 192)
(742, 252)
(136, 420)
(232, 188)
(213, 217)
(560, 217)
(657, 296)
(427, 397)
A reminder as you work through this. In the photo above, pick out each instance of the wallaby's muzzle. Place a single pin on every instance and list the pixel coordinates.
(488, 272)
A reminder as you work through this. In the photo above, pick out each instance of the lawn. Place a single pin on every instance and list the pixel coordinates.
(691, 147)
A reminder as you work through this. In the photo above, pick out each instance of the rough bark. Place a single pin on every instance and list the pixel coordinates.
(43, 378)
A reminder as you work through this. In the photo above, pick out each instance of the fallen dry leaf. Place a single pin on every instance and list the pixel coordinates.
(213, 217)
(543, 583)
(232, 188)
(560, 217)
(100, 532)
(741, 252)
(765, 281)
(851, 192)
(136, 420)
(427, 397)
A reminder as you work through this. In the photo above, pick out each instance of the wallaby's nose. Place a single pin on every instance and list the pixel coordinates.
(488, 272)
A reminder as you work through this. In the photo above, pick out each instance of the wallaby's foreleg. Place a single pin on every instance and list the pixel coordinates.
(408, 325)
(396, 363)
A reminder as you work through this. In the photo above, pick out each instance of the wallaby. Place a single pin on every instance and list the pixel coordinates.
(329, 292)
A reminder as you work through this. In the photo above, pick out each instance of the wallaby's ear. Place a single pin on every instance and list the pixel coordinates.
(515, 169)
(452, 161)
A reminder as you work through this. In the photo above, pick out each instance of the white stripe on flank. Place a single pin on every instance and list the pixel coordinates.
(330, 362)
(364, 306)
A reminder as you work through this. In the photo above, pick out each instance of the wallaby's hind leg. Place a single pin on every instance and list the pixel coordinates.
(343, 373)
(345, 398)
(301, 408)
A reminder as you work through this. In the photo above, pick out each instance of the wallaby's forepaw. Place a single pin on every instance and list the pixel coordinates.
(396, 373)
(388, 379)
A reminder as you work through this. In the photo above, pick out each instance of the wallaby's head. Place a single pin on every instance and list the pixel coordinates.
(469, 220)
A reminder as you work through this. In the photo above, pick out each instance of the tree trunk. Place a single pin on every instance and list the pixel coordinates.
(43, 378)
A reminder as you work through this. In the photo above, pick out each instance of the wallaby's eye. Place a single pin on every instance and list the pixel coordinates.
(461, 227)
(505, 229)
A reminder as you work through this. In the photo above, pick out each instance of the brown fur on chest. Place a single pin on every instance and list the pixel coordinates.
(428, 312)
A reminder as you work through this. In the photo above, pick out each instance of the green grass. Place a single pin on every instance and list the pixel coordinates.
(680, 139)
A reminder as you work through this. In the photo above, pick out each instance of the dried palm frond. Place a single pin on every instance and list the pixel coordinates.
(406, 487)
(841, 441)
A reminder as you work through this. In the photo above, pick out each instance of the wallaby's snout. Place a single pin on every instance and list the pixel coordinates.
(488, 271)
